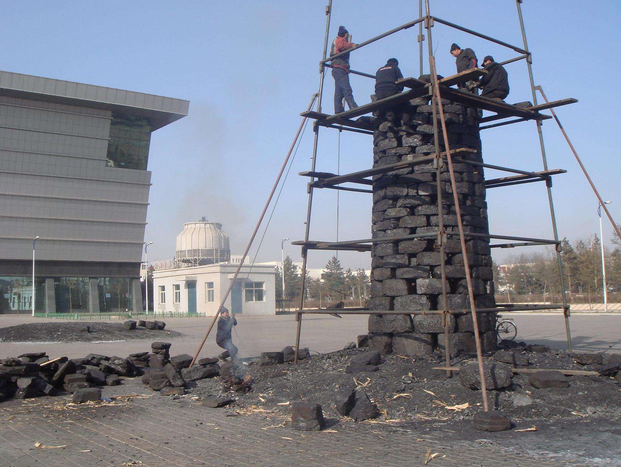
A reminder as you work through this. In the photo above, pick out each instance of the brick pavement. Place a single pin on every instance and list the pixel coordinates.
(160, 431)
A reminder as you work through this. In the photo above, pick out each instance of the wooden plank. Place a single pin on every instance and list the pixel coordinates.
(489, 104)
(539, 176)
(412, 83)
(468, 75)
(314, 115)
(529, 371)
(550, 105)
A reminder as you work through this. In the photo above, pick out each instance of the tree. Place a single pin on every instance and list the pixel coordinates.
(293, 280)
(334, 280)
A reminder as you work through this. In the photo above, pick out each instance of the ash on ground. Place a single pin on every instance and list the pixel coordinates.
(80, 332)
(407, 389)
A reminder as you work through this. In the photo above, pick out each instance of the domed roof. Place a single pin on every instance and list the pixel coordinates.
(203, 242)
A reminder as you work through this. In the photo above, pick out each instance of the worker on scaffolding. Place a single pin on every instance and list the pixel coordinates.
(223, 335)
(340, 72)
(465, 59)
(386, 79)
(495, 83)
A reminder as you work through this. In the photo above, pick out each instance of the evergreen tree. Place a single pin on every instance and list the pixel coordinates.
(334, 279)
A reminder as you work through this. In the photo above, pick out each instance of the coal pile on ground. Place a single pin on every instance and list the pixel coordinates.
(79, 332)
(407, 389)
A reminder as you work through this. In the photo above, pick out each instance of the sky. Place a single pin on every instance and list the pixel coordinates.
(249, 68)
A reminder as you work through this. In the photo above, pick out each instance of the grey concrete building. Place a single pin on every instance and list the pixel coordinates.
(73, 171)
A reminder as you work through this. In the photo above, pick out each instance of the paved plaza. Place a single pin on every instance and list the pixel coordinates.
(139, 427)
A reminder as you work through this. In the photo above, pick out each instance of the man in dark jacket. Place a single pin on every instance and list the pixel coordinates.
(223, 336)
(465, 59)
(385, 79)
(340, 72)
(495, 83)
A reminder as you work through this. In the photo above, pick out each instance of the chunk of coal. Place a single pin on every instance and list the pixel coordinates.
(75, 378)
(65, 369)
(344, 400)
(172, 391)
(94, 359)
(139, 355)
(174, 376)
(588, 358)
(271, 358)
(289, 354)
(73, 387)
(25, 369)
(432, 324)
(158, 380)
(33, 355)
(363, 408)
(86, 329)
(119, 366)
(511, 358)
(497, 375)
(28, 393)
(129, 325)
(361, 369)
(25, 383)
(181, 361)
(41, 360)
(460, 343)
(160, 325)
(216, 402)
(161, 345)
(390, 324)
(11, 361)
(363, 341)
(307, 416)
(536, 348)
(113, 380)
(491, 421)
(150, 325)
(413, 344)
(610, 369)
(86, 395)
(350, 346)
(548, 379)
(142, 323)
(367, 358)
(96, 377)
(157, 361)
(200, 372)
(207, 361)
(381, 342)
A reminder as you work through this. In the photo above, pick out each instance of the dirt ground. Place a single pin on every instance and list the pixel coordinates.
(77, 332)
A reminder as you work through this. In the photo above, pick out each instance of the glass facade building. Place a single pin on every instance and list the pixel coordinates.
(73, 172)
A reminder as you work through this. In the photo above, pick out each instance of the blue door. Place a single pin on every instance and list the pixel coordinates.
(192, 297)
(236, 298)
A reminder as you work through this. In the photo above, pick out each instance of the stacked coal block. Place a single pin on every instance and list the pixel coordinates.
(406, 274)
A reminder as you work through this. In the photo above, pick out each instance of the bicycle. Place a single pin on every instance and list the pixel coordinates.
(506, 330)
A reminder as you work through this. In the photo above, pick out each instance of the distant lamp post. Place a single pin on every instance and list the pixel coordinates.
(34, 295)
(146, 258)
(601, 241)
(282, 271)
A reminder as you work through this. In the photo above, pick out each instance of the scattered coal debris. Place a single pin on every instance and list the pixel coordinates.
(85, 332)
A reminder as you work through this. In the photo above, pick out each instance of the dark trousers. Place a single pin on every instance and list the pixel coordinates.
(384, 93)
(342, 89)
(230, 347)
(496, 94)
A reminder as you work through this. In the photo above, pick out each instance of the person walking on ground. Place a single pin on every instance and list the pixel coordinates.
(495, 83)
(465, 59)
(340, 72)
(223, 336)
(386, 78)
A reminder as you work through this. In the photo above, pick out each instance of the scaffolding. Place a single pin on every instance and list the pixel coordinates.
(435, 90)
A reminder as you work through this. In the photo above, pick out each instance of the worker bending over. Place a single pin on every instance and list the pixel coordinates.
(386, 78)
(340, 72)
(495, 83)
(465, 59)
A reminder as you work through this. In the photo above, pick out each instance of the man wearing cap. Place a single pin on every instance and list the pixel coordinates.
(340, 72)
(223, 335)
(495, 83)
(386, 78)
(465, 59)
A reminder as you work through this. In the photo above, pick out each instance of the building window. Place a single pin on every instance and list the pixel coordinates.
(177, 293)
(162, 290)
(210, 294)
(254, 291)
(130, 137)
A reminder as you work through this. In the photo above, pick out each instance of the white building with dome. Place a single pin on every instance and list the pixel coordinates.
(197, 279)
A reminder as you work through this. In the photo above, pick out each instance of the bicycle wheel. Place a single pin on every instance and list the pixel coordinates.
(506, 331)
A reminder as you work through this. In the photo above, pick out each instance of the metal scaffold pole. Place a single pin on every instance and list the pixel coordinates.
(544, 158)
(322, 75)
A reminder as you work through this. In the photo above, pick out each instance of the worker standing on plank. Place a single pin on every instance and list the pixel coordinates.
(495, 83)
(386, 78)
(465, 59)
(223, 336)
(340, 72)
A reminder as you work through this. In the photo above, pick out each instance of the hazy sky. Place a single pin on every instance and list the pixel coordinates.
(250, 67)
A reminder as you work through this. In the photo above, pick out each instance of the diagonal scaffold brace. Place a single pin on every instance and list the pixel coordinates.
(256, 229)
